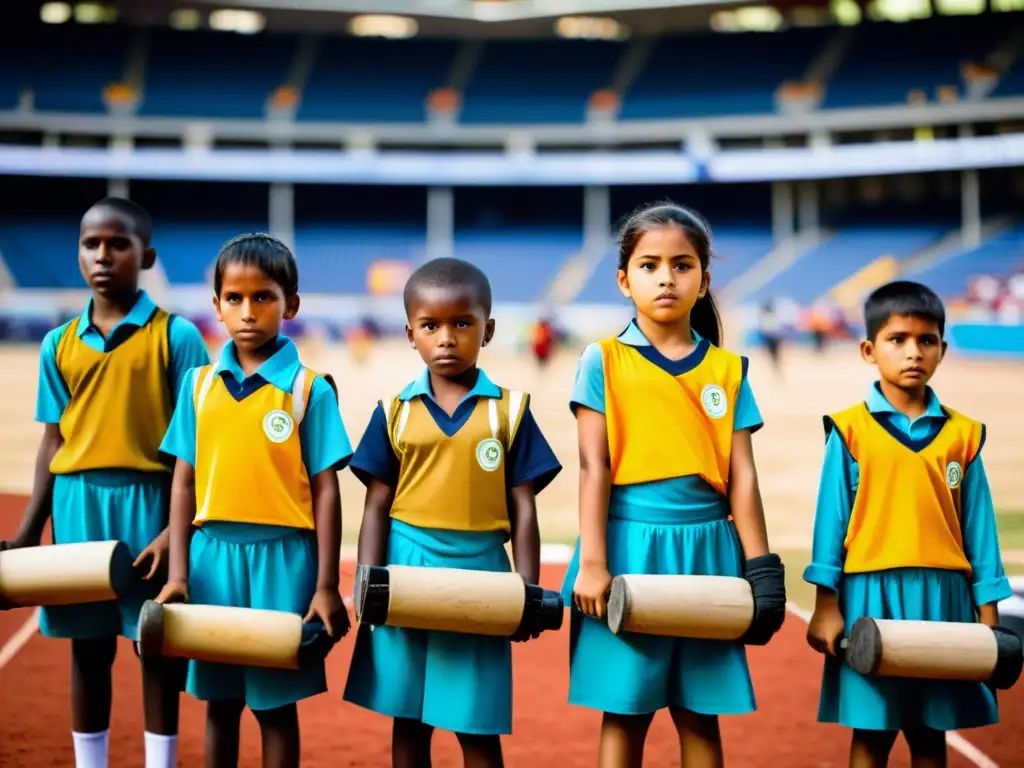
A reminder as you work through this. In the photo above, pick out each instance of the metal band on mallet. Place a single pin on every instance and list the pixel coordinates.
(454, 600)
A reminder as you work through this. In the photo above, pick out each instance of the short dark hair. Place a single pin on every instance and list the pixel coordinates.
(902, 297)
(134, 215)
(449, 273)
(264, 252)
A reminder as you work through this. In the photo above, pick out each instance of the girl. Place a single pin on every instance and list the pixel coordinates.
(258, 441)
(664, 382)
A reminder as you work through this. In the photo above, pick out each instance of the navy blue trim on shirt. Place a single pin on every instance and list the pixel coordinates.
(450, 425)
(981, 444)
(241, 390)
(676, 367)
(745, 365)
(122, 333)
(916, 445)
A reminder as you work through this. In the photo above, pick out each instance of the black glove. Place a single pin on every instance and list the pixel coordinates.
(315, 644)
(767, 578)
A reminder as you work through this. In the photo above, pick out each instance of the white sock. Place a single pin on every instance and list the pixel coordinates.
(161, 750)
(91, 749)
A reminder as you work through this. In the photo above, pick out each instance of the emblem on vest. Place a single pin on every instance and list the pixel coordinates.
(954, 474)
(278, 426)
(488, 454)
(712, 397)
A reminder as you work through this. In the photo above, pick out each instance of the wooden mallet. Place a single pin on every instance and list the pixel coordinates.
(244, 636)
(454, 600)
(706, 607)
(934, 650)
(65, 574)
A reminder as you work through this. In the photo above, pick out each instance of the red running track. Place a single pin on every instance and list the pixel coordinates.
(35, 718)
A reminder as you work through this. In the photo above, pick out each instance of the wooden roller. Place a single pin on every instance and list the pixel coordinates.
(65, 574)
(243, 636)
(705, 607)
(936, 650)
(453, 600)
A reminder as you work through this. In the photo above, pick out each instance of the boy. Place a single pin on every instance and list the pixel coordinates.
(107, 384)
(452, 466)
(904, 529)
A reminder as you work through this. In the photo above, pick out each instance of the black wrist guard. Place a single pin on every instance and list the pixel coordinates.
(315, 644)
(767, 578)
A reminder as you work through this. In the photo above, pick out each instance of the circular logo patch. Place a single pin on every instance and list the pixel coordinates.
(278, 426)
(488, 454)
(712, 397)
(954, 474)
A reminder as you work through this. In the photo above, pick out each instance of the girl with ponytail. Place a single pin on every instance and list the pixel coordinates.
(667, 486)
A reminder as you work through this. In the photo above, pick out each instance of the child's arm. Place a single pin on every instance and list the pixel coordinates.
(180, 443)
(989, 584)
(593, 582)
(376, 466)
(376, 525)
(745, 497)
(40, 504)
(839, 479)
(325, 452)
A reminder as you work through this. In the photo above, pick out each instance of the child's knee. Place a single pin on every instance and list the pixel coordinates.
(690, 723)
(631, 725)
(93, 653)
(279, 718)
(877, 744)
(225, 711)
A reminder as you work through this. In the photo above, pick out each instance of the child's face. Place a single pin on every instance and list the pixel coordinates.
(448, 327)
(664, 277)
(907, 351)
(252, 306)
(110, 254)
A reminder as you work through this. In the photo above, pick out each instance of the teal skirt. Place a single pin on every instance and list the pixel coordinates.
(453, 681)
(633, 674)
(892, 704)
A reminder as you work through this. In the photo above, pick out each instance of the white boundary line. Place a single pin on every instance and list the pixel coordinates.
(19, 639)
(953, 739)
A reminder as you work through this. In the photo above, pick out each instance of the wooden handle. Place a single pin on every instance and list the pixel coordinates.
(243, 636)
(706, 607)
(65, 574)
(936, 650)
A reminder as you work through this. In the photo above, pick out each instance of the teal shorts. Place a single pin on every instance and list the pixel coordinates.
(105, 505)
(254, 566)
(634, 674)
(453, 681)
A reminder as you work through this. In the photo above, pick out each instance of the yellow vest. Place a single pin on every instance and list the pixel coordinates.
(454, 483)
(906, 513)
(662, 426)
(120, 403)
(249, 466)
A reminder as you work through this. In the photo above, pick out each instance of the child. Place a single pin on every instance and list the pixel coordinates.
(259, 442)
(904, 529)
(108, 381)
(451, 465)
(664, 421)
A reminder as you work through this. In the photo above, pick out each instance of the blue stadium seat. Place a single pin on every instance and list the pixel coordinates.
(214, 74)
(66, 67)
(999, 256)
(539, 81)
(41, 253)
(877, 69)
(337, 258)
(364, 80)
(719, 74)
(520, 263)
(187, 250)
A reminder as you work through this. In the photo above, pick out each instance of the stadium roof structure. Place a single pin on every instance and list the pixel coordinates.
(462, 18)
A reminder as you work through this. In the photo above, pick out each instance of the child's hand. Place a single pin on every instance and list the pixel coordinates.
(328, 606)
(590, 593)
(156, 552)
(825, 629)
(173, 592)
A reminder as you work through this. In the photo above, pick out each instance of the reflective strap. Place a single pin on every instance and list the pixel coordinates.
(204, 389)
(492, 415)
(299, 396)
(403, 418)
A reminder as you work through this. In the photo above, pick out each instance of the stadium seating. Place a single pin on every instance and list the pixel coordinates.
(41, 253)
(998, 256)
(816, 272)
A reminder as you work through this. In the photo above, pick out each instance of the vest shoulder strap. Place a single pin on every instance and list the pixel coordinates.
(302, 387)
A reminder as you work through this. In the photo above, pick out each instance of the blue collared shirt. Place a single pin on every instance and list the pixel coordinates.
(325, 443)
(187, 350)
(840, 478)
(530, 459)
(678, 498)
